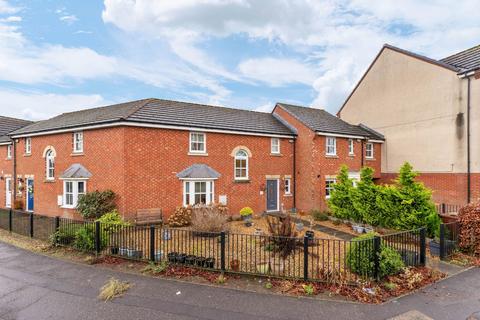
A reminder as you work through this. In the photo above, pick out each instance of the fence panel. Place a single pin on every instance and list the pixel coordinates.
(21, 223)
(43, 227)
(4, 218)
(407, 244)
(448, 239)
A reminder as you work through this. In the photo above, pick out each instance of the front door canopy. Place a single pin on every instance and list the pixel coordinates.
(198, 172)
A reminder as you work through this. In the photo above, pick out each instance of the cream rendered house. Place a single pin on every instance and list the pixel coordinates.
(429, 113)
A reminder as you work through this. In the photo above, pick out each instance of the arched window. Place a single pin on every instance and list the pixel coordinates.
(50, 164)
(241, 165)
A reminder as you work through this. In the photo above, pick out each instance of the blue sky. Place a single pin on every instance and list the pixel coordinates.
(58, 56)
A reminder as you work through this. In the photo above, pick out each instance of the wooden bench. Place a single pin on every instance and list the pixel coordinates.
(149, 216)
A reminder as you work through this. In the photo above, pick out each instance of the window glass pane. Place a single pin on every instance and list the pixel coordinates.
(81, 187)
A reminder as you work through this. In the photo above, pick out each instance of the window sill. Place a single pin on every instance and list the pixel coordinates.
(276, 154)
(27, 155)
(370, 159)
(241, 181)
(8, 159)
(352, 155)
(199, 154)
(288, 195)
(331, 156)
(71, 208)
(77, 154)
(49, 181)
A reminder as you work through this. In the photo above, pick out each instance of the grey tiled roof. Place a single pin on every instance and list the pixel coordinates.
(466, 60)
(8, 125)
(169, 113)
(320, 120)
(76, 171)
(198, 171)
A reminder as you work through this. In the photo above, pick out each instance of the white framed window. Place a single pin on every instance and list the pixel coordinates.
(72, 191)
(369, 150)
(331, 146)
(350, 147)
(28, 145)
(9, 151)
(288, 186)
(198, 192)
(198, 142)
(275, 146)
(50, 165)
(78, 142)
(329, 183)
(241, 165)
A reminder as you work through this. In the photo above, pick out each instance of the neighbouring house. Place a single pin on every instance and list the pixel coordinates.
(428, 111)
(163, 154)
(325, 142)
(8, 125)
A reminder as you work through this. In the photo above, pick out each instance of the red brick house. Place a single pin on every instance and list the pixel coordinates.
(162, 154)
(7, 125)
(325, 142)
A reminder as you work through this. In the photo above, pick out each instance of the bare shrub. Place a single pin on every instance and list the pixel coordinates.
(469, 219)
(283, 234)
(209, 218)
(181, 217)
(113, 288)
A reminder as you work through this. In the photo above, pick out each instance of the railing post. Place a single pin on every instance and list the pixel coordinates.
(152, 243)
(57, 228)
(376, 257)
(97, 237)
(222, 251)
(305, 258)
(10, 220)
(442, 241)
(423, 246)
(31, 224)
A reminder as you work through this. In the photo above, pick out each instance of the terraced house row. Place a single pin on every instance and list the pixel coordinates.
(163, 154)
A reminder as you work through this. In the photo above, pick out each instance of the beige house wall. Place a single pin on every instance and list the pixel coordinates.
(418, 106)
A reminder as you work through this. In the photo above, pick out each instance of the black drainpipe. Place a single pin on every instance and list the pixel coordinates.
(361, 159)
(295, 173)
(469, 182)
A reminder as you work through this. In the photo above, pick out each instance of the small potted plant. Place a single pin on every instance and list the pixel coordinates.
(158, 255)
(248, 222)
(123, 251)
(246, 213)
(172, 257)
(263, 267)
(190, 260)
(299, 226)
(200, 262)
(210, 263)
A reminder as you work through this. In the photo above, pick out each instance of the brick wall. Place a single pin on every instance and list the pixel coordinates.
(155, 156)
(312, 164)
(140, 166)
(6, 170)
(449, 188)
(102, 156)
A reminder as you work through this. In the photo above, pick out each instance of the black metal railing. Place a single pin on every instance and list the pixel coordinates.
(448, 239)
(308, 258)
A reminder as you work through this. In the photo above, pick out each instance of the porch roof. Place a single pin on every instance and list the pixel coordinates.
(198, 171)
(76, 171)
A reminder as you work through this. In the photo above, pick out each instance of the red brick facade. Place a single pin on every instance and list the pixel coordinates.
(313, 166)
(449, 188)
(6, 171)
(140, 166)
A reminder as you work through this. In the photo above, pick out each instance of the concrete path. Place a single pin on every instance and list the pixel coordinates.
(38, 287)
(330, 231)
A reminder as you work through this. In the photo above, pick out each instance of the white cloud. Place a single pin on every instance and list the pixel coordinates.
(277, 72)
(6, 8)
(340, 38)
(39, 105)
(69, 19)
(11, 19)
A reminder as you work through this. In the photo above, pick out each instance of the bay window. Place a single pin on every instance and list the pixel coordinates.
(198, 192)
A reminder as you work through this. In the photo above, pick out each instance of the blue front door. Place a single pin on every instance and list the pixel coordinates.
(30, 204)
(272, 195)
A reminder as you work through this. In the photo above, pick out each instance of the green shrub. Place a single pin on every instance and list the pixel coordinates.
(416, 208)
(247, 211)
(319, 215)
(85, 238)
(95, 204)
(390, 262)
(361, 255)
(112, 222)
(364, 198)
(341, 198)
(65, 234)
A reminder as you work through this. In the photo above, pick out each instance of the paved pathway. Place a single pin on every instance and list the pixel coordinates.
(330, 231)
(38, 287)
